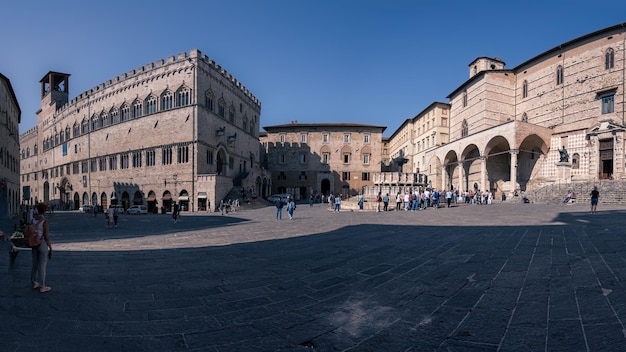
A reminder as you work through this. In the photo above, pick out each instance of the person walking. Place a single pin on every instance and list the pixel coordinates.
(595, 194)
(279, 209)
(110, 214)
(361, 200)
(291, 206)
(386, 202)
(378, 200)
(175, 212)
(41, 253)
(449, 198)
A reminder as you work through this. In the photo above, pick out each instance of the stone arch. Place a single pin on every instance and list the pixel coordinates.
(452, 169)
(470, 158)
(532, 152)
(221, 161)
(104, 201)
(498, 164)
(435, 173)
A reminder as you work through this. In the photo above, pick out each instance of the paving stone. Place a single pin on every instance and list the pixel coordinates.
(525, 278)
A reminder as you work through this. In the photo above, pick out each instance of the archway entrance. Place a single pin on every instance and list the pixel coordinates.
(221, 163)
(167, 200)
(325, 187)
(152, 202)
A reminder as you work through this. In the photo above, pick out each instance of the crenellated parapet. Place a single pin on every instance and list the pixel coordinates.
(143, 73)
(29, 133)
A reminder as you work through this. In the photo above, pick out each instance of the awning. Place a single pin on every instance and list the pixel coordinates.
(201, 195)
(183, 198)
(167, 196)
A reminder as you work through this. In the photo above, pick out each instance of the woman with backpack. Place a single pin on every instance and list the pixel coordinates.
(41, 253)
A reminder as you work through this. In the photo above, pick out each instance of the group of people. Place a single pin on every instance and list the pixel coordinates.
(414, 201)
(229, 206)
(290, 205)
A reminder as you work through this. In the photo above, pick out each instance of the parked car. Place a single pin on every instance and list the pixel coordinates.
(85, 208)
(137, 210)
(282, 196)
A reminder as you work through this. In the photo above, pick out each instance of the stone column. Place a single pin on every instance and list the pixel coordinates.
(618, 156)
(461, 177)
(514, 153)
(483, 172)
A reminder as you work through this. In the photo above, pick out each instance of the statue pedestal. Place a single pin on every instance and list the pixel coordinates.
(564, 171)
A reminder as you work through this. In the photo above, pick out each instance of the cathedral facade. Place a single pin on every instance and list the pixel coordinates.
(177, 130)
(556, 118)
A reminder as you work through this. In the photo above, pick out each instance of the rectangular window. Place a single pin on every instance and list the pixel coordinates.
(607, 104)
(346, 138)
(282, 138)
(75, 168)
(281, 158)
(303, 138)
(183, 155)
(64, 149)
(302, 158)
(84, 167)
(365, 176)
(93, 165)
(366, 159)
(124, 164)
(209, 157)
(113, 162)
(366, 138)
(150, 158)
(346, 158)
(325, 157)
(345, 176)
(444, 122)
(137, 159)
(166, 156)
(102, 164)
(325, 138)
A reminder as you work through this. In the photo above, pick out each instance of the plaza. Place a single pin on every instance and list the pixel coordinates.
(504, 277)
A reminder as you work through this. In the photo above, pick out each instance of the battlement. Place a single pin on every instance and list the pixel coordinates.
(182, 57)
(29, 133)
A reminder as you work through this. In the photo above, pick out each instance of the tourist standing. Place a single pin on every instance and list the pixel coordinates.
(41, 253)
(279, 209)
(291, 206)
(595, 194)
(337, 204)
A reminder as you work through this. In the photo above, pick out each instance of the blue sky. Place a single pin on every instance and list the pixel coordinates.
(361, 61)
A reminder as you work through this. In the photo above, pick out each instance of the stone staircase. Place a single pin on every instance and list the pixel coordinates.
(611, 192)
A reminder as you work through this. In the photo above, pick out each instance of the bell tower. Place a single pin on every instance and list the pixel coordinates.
(54, 91)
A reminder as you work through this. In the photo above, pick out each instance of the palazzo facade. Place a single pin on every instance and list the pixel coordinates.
(10, 116)
(178, 130)
(508, 127)
(322, 158)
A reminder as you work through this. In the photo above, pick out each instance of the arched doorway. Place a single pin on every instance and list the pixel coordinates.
(76, 201)
(138, 198)
(167, 200)
(104, 200)
(114, 199)
(85, 198)
(221, 163)
(152, 202)
(125, 200)
(183, 200)
(325, 187)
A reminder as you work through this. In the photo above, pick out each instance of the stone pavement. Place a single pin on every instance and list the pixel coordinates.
(504, 277)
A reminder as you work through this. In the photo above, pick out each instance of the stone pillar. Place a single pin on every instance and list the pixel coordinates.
(461, 177)
(483, 173)
(513, 178)
(618, 156)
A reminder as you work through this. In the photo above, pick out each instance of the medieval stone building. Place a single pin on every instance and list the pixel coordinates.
(179, 130)
(10, 116)
(557, 118)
